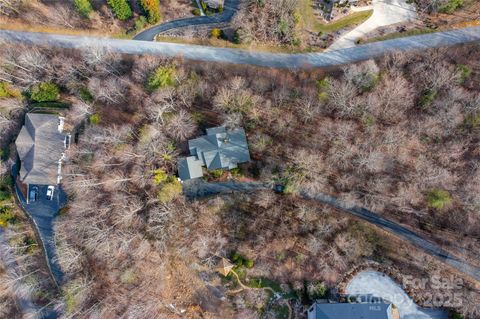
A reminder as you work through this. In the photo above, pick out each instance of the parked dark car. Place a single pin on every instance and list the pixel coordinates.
(33, 194)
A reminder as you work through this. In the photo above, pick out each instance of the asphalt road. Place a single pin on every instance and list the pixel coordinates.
(229, 9)
(199, 189)
(403, 232)
(236, 56)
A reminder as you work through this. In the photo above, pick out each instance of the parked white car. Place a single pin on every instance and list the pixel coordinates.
(50, 191)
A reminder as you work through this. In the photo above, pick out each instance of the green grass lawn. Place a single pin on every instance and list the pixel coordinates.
(310, 22)
(397, 35)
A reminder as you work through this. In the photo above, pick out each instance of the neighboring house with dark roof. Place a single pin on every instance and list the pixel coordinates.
(41, 144)
(214, 4)
(218, 149)
(352, 311)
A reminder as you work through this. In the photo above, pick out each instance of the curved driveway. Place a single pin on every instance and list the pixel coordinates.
(198, 189)
(385, 12)
(229, 9)
(42, 214)
(236, 56)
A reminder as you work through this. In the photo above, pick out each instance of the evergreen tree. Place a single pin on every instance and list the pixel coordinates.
(121, 9)
(151, 9)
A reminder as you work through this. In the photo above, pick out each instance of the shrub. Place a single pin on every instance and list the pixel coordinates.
(6, 216)
(163, 76)
(95, 119)
(4, 90)
(216, 33)
(323, 87)
(84, 7)
(4, 153)
(85, 94)
(196, 12)
(365, 81)
(290, 187)
(140, 23)
(427, 98)
(236, 172)
(5, 195)
(151, 9)
(236, 256)
(450, 6)
(249, 263)
(283, 26)
(472, 120)
(45, 92)
(264, 282)
(30, 244)
(456, 315)
(128, 277)
(240, 261)
(464, 72)
(169, 191)
(242, 37)
(159, 176)
(216, 173)
(438, 198)
(5, 182)
(220, 9)
(121, 9)
(316, 290)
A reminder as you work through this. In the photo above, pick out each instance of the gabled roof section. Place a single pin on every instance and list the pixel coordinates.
(40, 146)
(24, 142)
(189, 167)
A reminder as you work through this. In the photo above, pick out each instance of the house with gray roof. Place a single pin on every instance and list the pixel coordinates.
(351, 311)
(218, 149)
(214, 4)
(41, 144)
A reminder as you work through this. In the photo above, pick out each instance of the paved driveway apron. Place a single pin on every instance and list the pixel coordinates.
(43, 213)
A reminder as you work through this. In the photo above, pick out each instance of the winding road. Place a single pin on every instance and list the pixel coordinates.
(198, 189)
(236, 56)
(229, 9)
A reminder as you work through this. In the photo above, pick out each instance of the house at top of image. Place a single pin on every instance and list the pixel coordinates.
(352, 311)
(41, 146)
(214, 4)
(218, 149)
